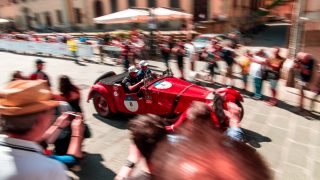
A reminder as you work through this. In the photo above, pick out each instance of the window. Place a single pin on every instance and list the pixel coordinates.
(37, 18)
(114, 6)
(59, 16)
(151, 3)
(47, 17)
(132, 3)
(175, 3)
(77, 13)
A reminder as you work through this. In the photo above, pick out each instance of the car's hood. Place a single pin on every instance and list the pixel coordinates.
(175, 86)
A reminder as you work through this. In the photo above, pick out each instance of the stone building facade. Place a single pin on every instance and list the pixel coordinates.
(80, 13)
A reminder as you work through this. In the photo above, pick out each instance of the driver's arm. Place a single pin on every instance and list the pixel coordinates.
(134, 87)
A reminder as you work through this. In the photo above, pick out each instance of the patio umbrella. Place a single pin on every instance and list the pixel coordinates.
(168, 14)
(141, 15)
(125, 16)
(4, 21)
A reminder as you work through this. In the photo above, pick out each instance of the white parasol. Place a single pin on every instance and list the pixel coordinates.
(141, 15)
(4, 21)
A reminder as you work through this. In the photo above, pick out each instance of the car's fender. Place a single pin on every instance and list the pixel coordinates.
(229, 94)
(98, 88)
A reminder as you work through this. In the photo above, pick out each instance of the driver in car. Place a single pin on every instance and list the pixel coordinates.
(132, 83)
(144, 70)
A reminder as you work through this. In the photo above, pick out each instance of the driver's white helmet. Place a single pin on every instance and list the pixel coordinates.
(143, 63)
(133, 69)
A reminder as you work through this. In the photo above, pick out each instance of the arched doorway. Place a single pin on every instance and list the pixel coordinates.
(98, 11)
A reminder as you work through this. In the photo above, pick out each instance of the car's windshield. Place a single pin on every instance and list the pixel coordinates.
(149, 78)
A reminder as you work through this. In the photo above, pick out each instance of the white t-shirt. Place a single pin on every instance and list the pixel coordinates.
(19, 161)
(191, 51)
(255, 68)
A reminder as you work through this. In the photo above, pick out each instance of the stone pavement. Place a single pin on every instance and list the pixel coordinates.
(290, 143)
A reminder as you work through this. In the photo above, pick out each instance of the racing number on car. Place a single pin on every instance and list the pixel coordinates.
(131, 104)
(163, 85)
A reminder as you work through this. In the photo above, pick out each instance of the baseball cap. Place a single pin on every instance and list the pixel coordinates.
(39, 61)
(143, 63)
(132, 69)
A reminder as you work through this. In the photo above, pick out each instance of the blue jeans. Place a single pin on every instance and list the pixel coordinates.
(258, 87)
(74, 55)
(235, 133)
(65, 159)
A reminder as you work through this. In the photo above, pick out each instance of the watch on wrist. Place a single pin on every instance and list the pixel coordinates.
(129, 164)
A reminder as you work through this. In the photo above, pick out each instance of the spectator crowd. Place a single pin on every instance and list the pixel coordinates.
(42, 133)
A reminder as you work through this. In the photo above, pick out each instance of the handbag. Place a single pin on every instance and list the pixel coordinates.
(87, 131)
(273, 75)
(264, 74)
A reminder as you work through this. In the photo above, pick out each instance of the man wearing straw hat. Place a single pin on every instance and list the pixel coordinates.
(26, 112)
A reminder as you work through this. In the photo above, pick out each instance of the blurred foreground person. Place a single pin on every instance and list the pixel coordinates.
(69, 93)
(304, 64)
(206, 154)
(17, 75)
(146, 132)
(26, 111)
(39, 73)
(67, 135)
(201, 113)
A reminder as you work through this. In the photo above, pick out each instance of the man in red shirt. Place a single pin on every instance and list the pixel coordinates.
(39, 74)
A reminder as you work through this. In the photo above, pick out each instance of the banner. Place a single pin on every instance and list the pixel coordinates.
(55, 49)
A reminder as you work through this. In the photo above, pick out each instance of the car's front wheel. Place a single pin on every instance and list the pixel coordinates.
(101, 105)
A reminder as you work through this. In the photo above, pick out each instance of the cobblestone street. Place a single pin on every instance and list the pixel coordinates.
(289, 142)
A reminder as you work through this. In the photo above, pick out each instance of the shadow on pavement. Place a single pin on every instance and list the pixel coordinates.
(305, 113)
(118, 121)
(254, 139)
(80, 64)
(92, 168)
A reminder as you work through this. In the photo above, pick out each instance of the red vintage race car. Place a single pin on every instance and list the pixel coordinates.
(164, 95)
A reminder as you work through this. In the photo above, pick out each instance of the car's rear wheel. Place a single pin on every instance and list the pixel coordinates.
(101, 105)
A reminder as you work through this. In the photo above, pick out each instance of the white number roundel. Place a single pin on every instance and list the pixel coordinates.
(131, 104)
(163, 85)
